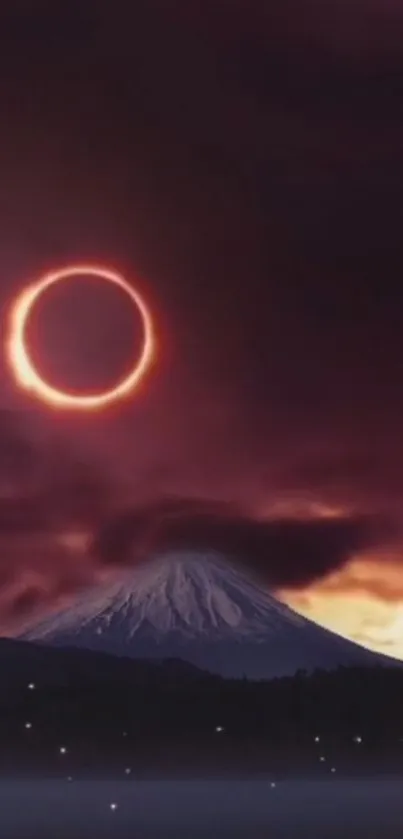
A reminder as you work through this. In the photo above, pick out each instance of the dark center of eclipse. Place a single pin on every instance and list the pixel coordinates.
(84, 335)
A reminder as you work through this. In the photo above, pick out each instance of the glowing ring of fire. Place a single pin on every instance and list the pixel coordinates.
(24, 371)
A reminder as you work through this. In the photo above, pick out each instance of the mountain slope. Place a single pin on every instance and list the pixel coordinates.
(205, 611)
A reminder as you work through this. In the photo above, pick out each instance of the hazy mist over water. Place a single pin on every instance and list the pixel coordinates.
(369, 808)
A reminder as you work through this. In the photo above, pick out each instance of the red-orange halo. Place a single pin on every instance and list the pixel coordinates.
(24, 370)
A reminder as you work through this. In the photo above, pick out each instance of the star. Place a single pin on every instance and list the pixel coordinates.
(219, 729)
(28, 725)
(63, 750)
(31, 686)
(127, 771)
(113, 806)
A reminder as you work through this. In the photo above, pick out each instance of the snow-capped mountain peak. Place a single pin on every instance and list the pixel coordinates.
(179, 592)
(203, 609)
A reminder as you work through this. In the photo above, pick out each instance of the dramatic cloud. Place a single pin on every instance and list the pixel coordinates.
(250, 170)
(284, 552)
(51, 498)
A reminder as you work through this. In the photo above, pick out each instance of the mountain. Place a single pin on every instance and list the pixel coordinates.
(203, 610)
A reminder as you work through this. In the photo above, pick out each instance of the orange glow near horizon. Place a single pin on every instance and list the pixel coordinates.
(29, 378)
(363, 602)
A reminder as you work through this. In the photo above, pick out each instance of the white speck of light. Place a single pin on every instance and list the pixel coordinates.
(31, 686)
(317, 739)
(322, 759)
(357, 739)
(272, 785)
(127, 771)
(69, 778)
(333, 769)
(63, 750)
(219, 728)
(113, 806)
(28, 725)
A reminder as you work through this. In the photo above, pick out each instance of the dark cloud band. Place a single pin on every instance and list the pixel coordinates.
(285, 552)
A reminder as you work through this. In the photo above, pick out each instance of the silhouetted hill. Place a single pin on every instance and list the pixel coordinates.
(164, 718)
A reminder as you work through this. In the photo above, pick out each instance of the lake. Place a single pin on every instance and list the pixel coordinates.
(63, 809)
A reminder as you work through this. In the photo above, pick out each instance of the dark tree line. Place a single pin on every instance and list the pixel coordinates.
(171, 718)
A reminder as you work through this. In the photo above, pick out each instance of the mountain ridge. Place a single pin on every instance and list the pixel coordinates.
(202, 609)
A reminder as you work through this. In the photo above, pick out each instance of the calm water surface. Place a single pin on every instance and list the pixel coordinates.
(371, 809)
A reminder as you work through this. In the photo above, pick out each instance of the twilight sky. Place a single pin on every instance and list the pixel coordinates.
(245, 167)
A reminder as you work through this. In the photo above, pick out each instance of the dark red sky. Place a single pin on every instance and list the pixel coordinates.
(247, 164)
